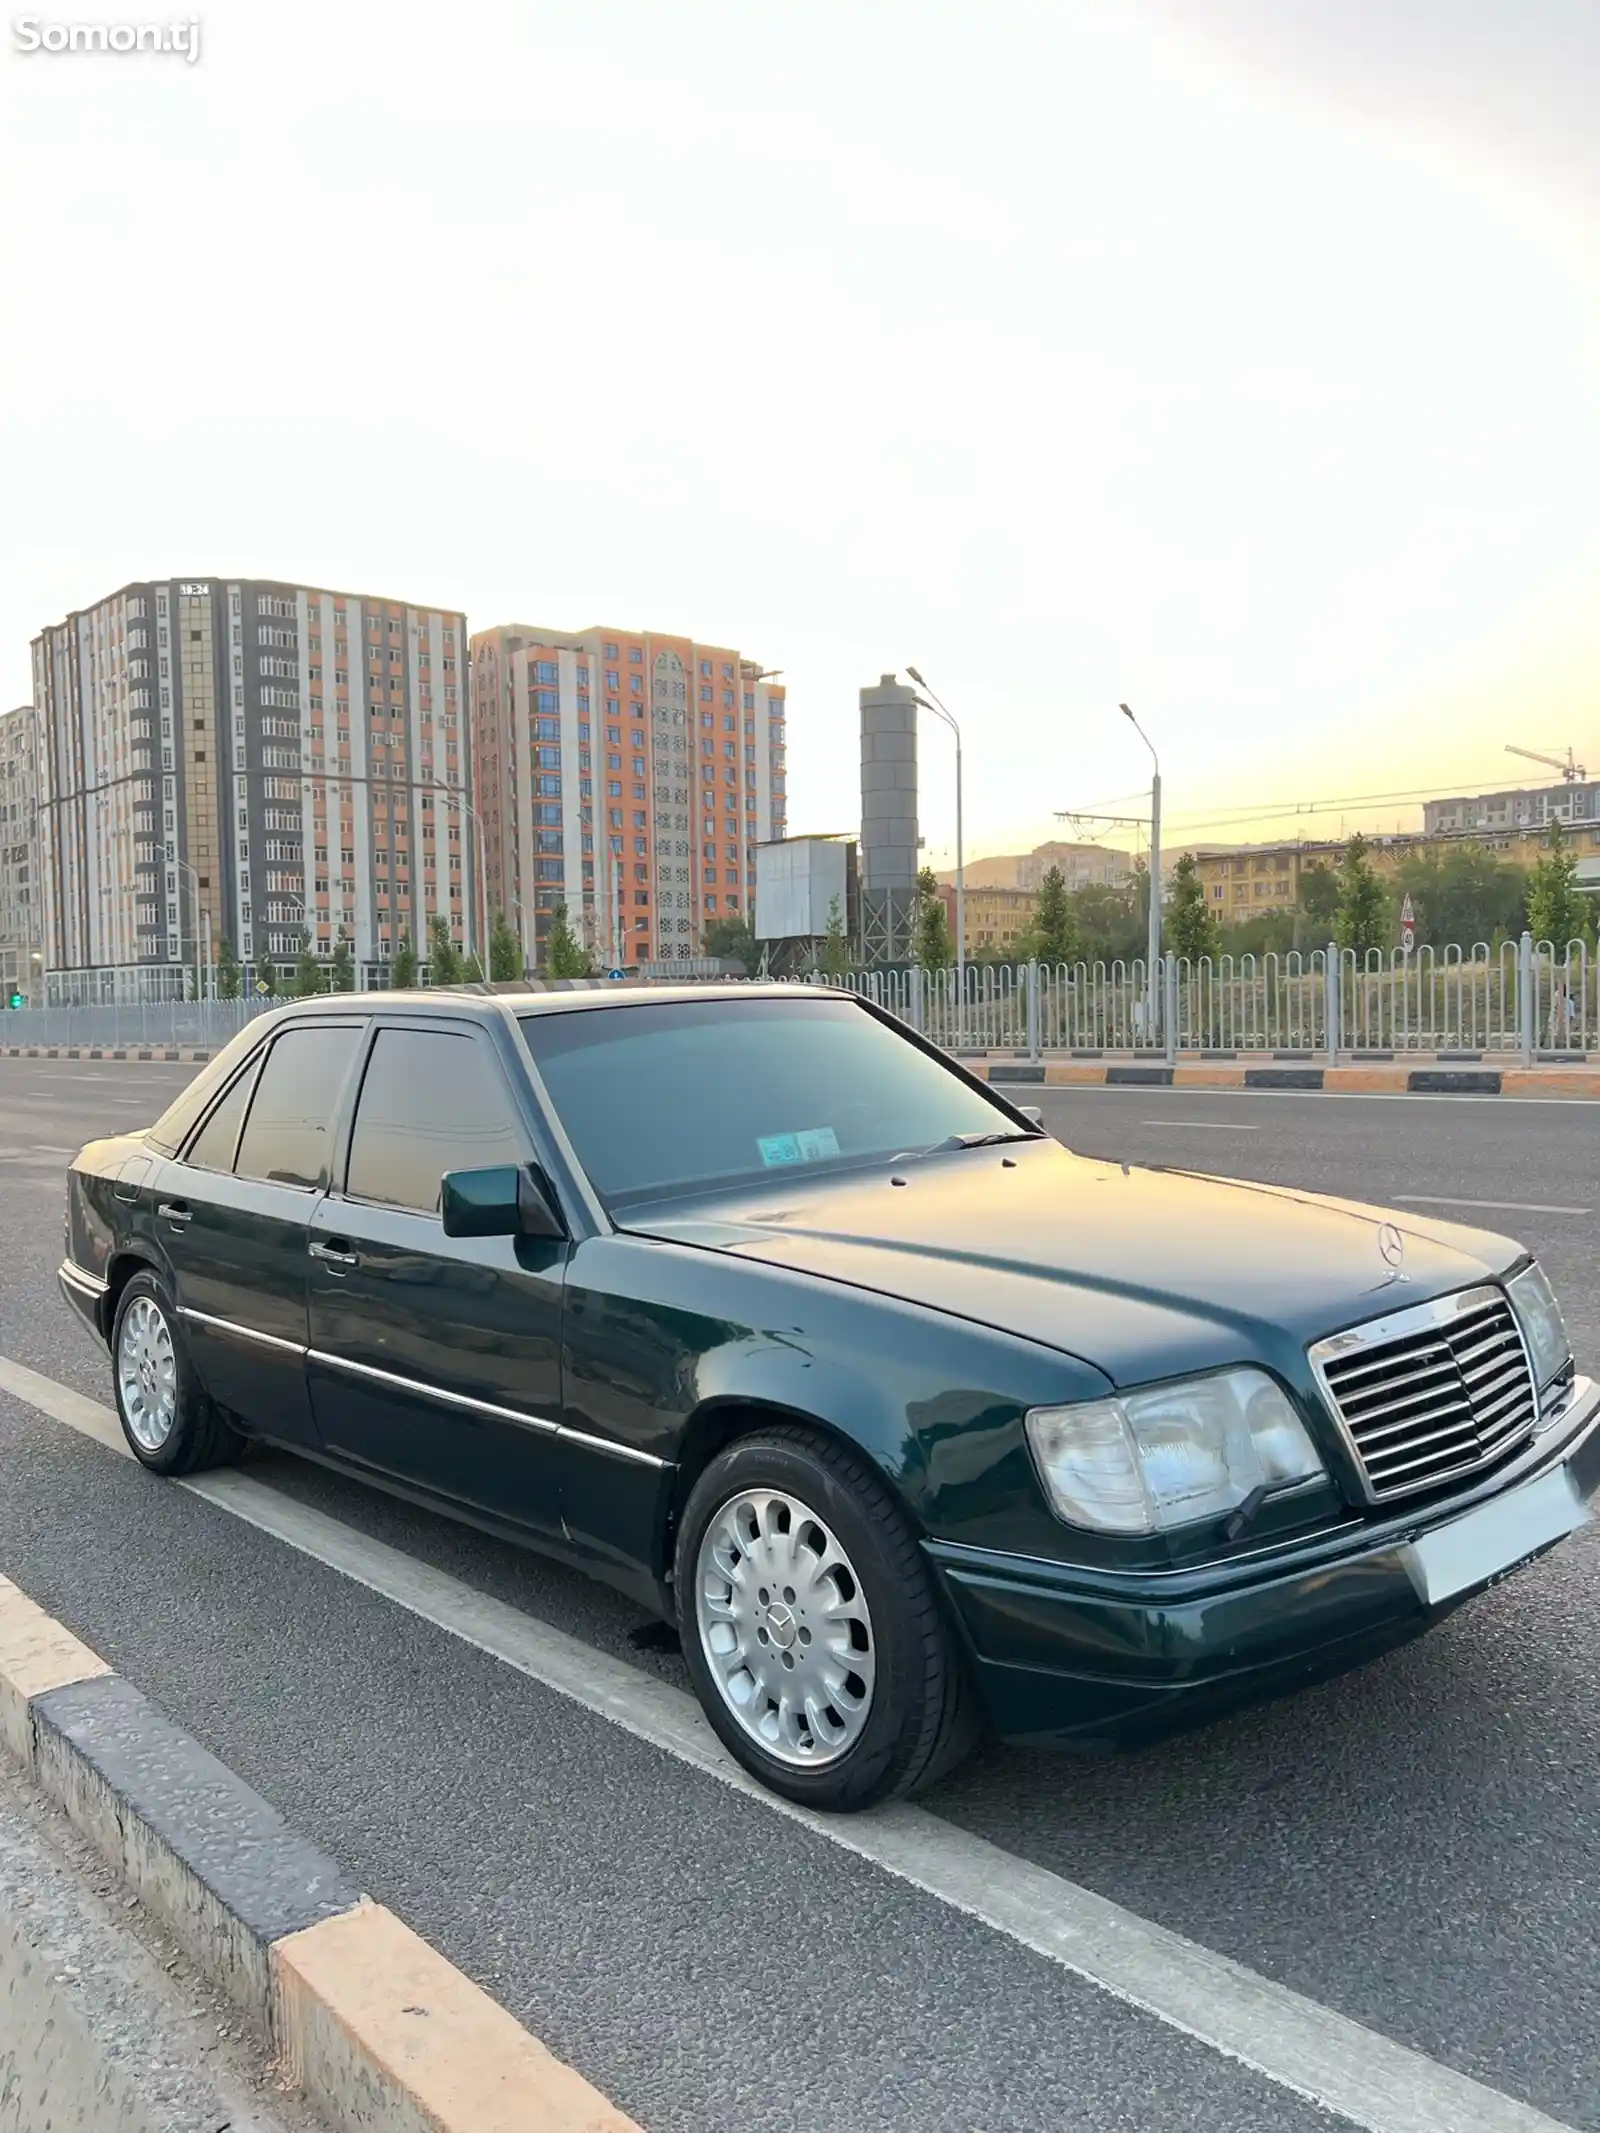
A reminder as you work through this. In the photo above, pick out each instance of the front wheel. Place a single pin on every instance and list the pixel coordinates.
(171, 1426)
(812, 1627)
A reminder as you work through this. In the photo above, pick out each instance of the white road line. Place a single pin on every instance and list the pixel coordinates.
(1309, 2049)
(1204, 1125)
(1322, 1096)
(1503, 1207)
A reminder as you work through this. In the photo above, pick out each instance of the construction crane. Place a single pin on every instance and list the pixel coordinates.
(1572, 771)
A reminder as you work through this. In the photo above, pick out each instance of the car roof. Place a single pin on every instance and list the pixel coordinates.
(486, 1001)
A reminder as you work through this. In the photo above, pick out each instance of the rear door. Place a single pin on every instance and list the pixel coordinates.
(436, 1360)
(234, 1217)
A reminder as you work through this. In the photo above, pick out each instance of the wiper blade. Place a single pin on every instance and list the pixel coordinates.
(977, 1140)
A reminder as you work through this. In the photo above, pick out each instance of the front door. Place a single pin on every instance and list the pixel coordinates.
(233, 1216)
(436, 1360)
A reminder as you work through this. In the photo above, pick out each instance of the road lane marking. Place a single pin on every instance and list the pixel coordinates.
(1293, 2041)
(1503, 1207)
(1319, 1096)
(1204, 1125)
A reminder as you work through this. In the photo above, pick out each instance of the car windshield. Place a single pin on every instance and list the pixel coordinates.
(662, 1100)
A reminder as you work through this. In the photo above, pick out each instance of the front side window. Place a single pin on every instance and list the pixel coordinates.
(287, 1134)
(755, 1090)
(431, 1101)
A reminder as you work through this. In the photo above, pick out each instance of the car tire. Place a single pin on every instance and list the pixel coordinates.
(906, 1710)
(168, 1421)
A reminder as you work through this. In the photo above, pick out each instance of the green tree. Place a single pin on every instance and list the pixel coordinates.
(1463, 895)
(1191, 927)
(835, 958)
(1557, 911)
(733, 940)
(444, 957)
(471, 972)
(505, 952)
(403, 965)
(1055, 936)
(342, 971)
(1111, 919)
(1319, 901)
(230, 978)
(307, 970)
(931, 945)
(1362, 922)
(564, 954)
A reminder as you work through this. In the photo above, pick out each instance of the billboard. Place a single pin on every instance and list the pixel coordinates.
(798, 881)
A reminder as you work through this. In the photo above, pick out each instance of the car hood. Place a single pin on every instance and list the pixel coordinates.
(1142, 1272)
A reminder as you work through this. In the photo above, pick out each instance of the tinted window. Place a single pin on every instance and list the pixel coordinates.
(177, 1122)
(430, 1102)
(286, 1136)
(213, 1146)
(661, 1098)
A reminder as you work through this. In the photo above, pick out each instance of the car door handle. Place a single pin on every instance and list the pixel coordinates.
(338, 1253)
(177, 1212)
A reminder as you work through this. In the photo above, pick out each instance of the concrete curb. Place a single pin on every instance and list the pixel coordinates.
(1354, 1080)
(77, 1051)
(379, 2032)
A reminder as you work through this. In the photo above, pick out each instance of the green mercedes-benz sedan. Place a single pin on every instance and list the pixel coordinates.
(753, 1303)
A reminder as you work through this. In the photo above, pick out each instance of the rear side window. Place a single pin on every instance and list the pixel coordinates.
(290, 1125)
(430, 1102)
(213, 1146)
(177, 1122)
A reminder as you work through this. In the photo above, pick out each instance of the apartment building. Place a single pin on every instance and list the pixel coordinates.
(246, 760)
(1508, 812)
(999, 921)
(629, 776)
(1245, 880)
(1082, 866)
(21, 950)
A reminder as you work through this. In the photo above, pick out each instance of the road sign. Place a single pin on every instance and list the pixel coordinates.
(1408, 926)
(616, 973)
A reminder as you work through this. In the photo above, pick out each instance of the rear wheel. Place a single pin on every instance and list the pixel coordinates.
(812, 1627)
(170, 1424)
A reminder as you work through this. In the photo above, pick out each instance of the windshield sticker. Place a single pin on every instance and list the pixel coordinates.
(812, 1146)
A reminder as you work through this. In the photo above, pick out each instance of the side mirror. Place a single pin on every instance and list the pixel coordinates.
(509, 1200)
(1032, 1113)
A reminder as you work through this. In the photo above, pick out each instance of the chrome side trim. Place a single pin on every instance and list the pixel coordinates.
(537, 1423)
(613, 1448)
(79, 1278)
(242, 1333)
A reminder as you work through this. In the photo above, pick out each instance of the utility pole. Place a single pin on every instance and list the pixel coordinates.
(939, 710)
(1153, 958)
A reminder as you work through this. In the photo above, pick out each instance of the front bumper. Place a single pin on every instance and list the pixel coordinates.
(86, 1293)
(1094, 1660)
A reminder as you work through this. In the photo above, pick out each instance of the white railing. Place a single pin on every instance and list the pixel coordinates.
(1524, 998)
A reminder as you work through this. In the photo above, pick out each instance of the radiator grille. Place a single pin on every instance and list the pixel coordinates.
(1432, 1394)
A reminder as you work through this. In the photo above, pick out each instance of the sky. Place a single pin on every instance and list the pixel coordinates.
(1236, 359)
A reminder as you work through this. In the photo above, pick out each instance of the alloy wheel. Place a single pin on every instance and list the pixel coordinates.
(147, 1374)
(785, 1628)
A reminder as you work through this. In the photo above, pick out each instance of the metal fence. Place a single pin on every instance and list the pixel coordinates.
(133, 1025)
(1514, 998)
(1524, 998)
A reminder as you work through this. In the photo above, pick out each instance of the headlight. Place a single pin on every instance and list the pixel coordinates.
(1539, 1316)
(1148, 1461)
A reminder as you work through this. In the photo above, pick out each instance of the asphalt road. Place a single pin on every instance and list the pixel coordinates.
(1416, 1847)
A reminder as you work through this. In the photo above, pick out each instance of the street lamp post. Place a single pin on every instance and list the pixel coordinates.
(184, 867)
(1153, 953)
(940, 710)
